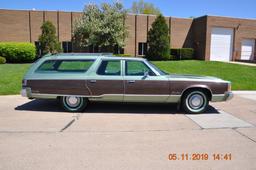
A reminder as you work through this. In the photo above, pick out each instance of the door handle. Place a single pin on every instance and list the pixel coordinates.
(131, 81)
(92, 81)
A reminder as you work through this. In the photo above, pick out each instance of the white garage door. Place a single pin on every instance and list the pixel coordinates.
(247, 50)
(221, 44)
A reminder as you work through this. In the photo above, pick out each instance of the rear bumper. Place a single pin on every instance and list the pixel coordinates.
(26, 92)
(222, 97)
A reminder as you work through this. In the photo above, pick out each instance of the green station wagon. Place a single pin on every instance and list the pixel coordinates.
(76, 79)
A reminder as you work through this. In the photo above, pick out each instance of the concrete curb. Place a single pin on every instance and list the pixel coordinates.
(245, 92)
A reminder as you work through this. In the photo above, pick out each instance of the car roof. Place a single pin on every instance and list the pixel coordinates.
(64, 56)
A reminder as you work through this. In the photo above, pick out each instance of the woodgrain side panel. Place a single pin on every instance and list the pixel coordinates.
(147, 87)
(101, 87)
(69, 87)
(177, 87)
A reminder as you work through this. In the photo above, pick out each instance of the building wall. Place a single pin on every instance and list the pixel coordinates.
(181, 32)
(36, 18)
(199, 36)
(243, 29)
(24, 26)
(14, 26)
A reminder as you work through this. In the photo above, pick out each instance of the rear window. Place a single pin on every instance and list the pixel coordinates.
(65, 65)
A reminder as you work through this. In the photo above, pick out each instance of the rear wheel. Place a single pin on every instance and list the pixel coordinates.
(73, 103)
(195, 101)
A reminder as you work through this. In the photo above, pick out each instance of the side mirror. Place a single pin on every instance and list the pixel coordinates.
(146, 74)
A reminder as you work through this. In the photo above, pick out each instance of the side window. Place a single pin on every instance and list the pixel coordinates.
(109, 67)
(65, 65)
(49, 65)
(137, 68)
(75, 65)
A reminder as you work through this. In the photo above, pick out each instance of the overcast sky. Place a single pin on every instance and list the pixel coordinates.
(177, 8)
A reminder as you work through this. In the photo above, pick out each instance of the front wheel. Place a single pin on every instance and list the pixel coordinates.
(195, 102)
(73, 103)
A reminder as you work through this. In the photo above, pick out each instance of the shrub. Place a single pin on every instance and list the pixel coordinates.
(16, 52)
(2, 60)
(182, 53)
(48, 39)
(158, 40)
(123, 55)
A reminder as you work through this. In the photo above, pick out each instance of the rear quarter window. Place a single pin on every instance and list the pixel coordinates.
(65, 66)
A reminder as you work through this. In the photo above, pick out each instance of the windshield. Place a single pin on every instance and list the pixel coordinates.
(161, 72)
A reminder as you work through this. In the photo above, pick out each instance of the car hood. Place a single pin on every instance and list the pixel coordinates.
(187, 77)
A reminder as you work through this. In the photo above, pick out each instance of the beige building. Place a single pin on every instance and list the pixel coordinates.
(212, 37)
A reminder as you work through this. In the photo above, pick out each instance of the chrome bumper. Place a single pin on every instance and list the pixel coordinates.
(222, 97)
(26, 92)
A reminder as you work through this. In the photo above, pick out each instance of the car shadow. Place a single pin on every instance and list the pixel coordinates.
(106, 107)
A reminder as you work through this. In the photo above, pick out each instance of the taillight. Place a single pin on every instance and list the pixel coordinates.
(24, 82)
(229, 86)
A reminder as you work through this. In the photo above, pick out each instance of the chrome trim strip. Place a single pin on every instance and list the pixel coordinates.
(222, 97)
(116, 97)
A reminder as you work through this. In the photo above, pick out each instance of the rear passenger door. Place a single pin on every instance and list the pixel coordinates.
(107, 82)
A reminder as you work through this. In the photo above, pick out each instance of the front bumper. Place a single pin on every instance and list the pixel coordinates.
(222, 97)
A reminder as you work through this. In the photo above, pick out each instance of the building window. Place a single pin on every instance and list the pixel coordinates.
(67, 46)
(118, 50)
(142, 48)
(38, 48)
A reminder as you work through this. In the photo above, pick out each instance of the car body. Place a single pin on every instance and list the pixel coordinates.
(76, 79)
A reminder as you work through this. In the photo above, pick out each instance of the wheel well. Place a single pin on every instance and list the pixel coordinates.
(204, 90)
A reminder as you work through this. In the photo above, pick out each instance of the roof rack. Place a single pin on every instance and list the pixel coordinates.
(81, 54)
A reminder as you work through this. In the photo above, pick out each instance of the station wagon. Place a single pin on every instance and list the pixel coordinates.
(77, 79)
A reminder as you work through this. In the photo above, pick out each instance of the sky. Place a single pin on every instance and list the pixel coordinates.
(175, 8)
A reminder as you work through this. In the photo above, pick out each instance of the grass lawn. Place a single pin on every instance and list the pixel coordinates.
(10, 77)
(242, 77)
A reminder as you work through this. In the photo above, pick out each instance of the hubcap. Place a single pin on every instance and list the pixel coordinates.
(72, 101)
(196, 101)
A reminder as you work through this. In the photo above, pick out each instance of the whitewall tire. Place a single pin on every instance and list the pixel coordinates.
(195, 101)
(73, 103)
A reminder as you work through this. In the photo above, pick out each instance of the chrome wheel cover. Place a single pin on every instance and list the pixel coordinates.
(196, 101)
(72, 101)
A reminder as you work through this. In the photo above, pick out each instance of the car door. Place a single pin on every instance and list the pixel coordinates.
(142, 84)
(106, 83)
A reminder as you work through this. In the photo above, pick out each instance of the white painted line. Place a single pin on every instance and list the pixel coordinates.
(218, 120)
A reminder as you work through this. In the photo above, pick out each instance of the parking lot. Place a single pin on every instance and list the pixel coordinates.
(38, 134)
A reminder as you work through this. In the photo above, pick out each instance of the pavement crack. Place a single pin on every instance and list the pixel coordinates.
(235, 129)
(68, 125)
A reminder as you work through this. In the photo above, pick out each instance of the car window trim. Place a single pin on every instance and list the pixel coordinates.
(120, 62)
(125, 67)
(59, 61)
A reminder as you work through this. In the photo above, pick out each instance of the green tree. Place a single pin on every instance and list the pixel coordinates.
(158, 40)
(142, 7)
(101, 26)
(48, 39)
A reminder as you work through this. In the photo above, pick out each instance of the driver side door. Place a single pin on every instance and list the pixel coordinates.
(141, 84)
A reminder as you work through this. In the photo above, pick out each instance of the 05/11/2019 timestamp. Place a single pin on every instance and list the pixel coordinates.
(200, 156)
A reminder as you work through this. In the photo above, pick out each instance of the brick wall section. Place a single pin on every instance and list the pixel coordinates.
(75, 17)
(130, 40)
(24, 26)
(36, 18)
(141, 31)
(14, 26)
(64, 26)
(243, 29)
(199, 36)
(181, 32)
